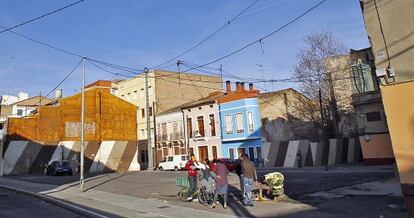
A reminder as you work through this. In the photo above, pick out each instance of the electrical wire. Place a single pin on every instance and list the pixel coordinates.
(383, 35)
(129, 69)
(262, 38)
(57, 86)
(42, 16)
(208, 37)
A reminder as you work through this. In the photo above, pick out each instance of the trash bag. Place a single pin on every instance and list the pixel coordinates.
(275, 182)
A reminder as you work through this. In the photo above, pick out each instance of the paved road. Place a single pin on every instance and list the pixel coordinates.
(19, 205)
(161, 185)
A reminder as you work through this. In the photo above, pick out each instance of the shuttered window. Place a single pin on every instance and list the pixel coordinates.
(239, 123)
(229, 124)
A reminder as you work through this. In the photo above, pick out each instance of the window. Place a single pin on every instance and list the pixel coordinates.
(142, 133)
(144, 156)
(214, 151)
(241, 151)
(170, 159)
(150, 111)
(200, 125)
(191, 150)
(149, 90)
(122, 96)
(250, 121)
(259, 153)
(190, 127)
(373, 116)
(212, 125)
(229, 124)
(251, 153)
(135, 96)
(163, 131)
(239, 123)
(175, 130)
(184, 157)
(19, 112)
(231, 153)
(143, 113)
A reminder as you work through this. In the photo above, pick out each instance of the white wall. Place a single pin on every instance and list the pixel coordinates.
(208, 140)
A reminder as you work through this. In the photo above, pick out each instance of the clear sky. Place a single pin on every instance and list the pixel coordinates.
(148, 32)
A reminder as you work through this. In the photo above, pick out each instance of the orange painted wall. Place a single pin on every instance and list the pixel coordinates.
(398, 100)
(378, 147)
(106, 118)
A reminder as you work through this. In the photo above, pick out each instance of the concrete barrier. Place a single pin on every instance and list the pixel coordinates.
(23, 157)
(354, 151)
(294, 148)
(335, 151)
(317, 152)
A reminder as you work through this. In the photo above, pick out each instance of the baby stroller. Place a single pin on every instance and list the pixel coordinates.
(207, 189)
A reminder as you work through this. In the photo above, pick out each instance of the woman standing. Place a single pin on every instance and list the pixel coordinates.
(222, 183)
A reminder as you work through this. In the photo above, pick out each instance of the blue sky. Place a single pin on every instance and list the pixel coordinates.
(148, 32)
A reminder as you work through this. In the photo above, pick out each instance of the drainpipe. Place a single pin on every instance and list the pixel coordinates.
(185, 118)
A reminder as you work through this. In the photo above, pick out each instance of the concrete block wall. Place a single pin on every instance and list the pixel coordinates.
(284, 154)
(25, 157)
(317, 152)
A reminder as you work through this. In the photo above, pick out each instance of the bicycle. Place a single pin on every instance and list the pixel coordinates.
(204, 196)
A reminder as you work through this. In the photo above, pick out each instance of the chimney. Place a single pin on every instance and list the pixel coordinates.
(243, 89)
(237, 86)
(58, 94)
(228, 86)
(251, 89)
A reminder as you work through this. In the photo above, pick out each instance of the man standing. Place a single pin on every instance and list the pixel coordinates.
(190, 166)
(249, 176)
(239, 173)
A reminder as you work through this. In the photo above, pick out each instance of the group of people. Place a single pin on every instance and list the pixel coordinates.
(214, 174)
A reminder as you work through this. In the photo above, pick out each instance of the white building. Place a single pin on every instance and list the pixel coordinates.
(170, 133)
(27, 106)
(202, 127)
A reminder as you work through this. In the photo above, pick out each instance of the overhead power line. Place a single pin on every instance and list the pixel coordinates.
(208, 37)
(42, 16)
(262, 38)
(57, 86)
(47, 45)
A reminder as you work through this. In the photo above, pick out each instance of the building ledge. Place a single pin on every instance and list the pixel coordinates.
(366, 98)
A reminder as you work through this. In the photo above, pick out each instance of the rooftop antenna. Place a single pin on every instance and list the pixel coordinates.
(13, 74)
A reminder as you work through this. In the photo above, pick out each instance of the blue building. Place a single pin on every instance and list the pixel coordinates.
(240, 123)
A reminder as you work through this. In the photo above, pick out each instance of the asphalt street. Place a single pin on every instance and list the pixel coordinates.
(17, 205)
(298, 184)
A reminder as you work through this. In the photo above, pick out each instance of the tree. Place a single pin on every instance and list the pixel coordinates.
(312, 73)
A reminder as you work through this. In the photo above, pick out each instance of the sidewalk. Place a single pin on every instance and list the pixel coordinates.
(336, 168)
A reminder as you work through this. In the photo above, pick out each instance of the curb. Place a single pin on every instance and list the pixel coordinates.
(57, 202)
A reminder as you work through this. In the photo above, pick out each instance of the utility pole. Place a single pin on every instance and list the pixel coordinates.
(262, 71)
(325, 146)
(82, 126)
(147, 106)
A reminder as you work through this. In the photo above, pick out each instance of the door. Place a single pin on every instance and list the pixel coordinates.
(241, 151)
(251, 153)
(202, 153)
(214, 152)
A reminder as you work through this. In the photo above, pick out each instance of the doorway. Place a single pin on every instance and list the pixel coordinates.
(240, 151)
(202, 153)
